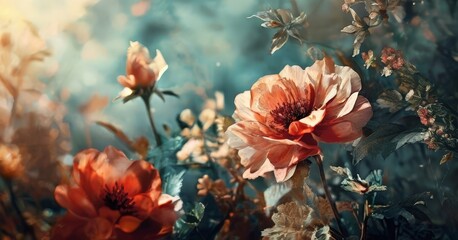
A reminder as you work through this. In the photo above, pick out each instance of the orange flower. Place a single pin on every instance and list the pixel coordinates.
(283, 117)
(141, 70)
(112, 197)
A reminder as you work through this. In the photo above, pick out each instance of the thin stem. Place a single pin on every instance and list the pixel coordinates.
(319, 162)
(9, 224)
(87, 134)
(151, 121)
(27, 228)
(364, 224)
(295, 8)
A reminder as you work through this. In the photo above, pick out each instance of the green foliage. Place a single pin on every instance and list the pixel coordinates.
(392, 100)
(165, 155)
(408, 219)
(172, 182)
(189, 221)
(386, 139)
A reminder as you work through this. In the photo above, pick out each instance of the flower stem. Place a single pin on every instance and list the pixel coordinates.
(87, 134)
(27, 228)
(364, 223)
(151, 121)
(319, 162)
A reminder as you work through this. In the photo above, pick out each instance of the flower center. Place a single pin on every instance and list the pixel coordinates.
(117, 199)
(289, 112)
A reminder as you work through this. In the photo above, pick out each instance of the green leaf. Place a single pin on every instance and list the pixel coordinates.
(130, 97)
(165, 155)
(159, 94)
(379, 142)
(406, 138)
(172, 182)
(387, 139)
(392, 100)
(189, 221)
(170, 93)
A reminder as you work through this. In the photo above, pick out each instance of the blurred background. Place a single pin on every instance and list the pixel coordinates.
(209, 45)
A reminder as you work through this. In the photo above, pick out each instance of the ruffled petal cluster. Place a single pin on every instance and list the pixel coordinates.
(112, 197)
(283, 117)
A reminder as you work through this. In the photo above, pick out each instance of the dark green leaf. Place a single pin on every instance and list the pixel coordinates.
(130, 97)
(386, 139)
(159, 94)
(170, 93)
(165, 155)
(405, 138)
(379, 142)
(392, 100)
(189, 221)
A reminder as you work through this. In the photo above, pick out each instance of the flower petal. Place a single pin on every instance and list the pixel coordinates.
(158, 65)
(127, 81)
(348, 127)
(165, 213)
(349, 105)
(283, 174)
(128, 223)
(99, 228)
(75, 200)
(307, 124)
(139, 177)
(69, 227)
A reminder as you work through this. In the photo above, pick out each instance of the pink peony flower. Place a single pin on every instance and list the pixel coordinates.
(283, 117)
(112, 197)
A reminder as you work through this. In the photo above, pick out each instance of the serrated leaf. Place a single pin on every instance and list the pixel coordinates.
(375, 188)
(172, 182)
(322, 234)
(375, 177)
(292, 221)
